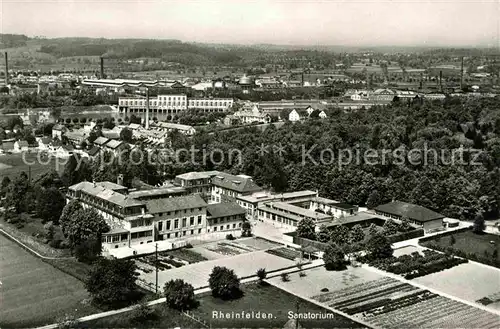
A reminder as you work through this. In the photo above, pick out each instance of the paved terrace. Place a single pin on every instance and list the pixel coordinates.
(244, 265)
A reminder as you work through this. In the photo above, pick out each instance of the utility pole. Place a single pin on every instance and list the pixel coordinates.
(156, 267)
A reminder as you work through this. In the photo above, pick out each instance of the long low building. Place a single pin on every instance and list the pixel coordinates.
(423, 217)
(172, 104)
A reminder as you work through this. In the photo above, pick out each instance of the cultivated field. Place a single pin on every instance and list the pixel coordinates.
(387, 302)
(33, 293)
(13, 164)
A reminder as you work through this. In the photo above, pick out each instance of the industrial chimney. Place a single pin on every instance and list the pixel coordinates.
(462, 74)
(6, 69)
(441, 81)
(147, 109)
(102, 68)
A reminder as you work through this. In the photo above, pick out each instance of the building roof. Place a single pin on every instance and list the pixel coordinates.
(93, 151)
(225, 209)
(106, 194)
(297, 210)
(111, 186)
(235, 183)
(134, 126)
(193, 175)
(334, 203)
(113, 144)
(359, 217)
(266, 196)
(412, 211)
(101, 141)
(169, 125)
(175, 203)
(22, 143)
(111, 134)
(156, 192)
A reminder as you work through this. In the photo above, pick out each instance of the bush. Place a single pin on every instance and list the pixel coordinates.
(325, 290)
(285, 277)
(143, 313)
(56, 243)
(230, 237)
(179, 295)
(224, 283)
(334, 258)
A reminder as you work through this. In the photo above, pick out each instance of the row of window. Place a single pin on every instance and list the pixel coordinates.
(166, 225)
(226, 219)
(140, 222)
(228, 227)
(177, 234)
(278, 218)
(175, 212)
(124, 237)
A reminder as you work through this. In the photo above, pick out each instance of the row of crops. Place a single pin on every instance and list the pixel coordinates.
(389, 303)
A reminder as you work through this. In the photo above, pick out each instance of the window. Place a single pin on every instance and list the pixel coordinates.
(234, 225)
(168, 225)
(176, 234)
(168, 235)
(124, 237)
(184, 221)
(147, 222)
(215, 229)
(134, 235)
(199, 231)
(191, 221)
(199, 220)
(160, 226)
(228, 227)
(192, 232)
(222, 227)
(176, 224)
(183, 232)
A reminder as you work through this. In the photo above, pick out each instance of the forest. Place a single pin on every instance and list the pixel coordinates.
(459, 190)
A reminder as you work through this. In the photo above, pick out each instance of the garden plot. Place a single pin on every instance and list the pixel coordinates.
(386, 302)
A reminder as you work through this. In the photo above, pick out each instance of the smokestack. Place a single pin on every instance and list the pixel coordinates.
(102, 68)
(441, 81)
(147, 109)
(6, 69)
(302, 78)
(462, 74)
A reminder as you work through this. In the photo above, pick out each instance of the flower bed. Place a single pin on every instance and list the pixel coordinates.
(287, 253)
(416, 265)
(185, 254)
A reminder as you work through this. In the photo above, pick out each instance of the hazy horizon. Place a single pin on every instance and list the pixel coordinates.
(366, 23)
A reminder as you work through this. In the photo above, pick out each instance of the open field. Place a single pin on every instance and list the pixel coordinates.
(387, 302)
(13, 164)
(197, 274)
(267, 300)
(468, 281)
(481, 245)
(33, 293)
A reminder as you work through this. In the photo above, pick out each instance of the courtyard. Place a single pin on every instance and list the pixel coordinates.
(197, 274)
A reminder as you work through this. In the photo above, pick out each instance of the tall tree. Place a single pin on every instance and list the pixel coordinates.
(224, 283)
(85, 224)
(179, 294)
(67, 214)
(50, 204)
(479, 225)
(334, 258)
(111, 282)
(356, 234)
(306, 229)
(379, 247)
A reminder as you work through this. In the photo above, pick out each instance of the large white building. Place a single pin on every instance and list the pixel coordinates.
(172, 104)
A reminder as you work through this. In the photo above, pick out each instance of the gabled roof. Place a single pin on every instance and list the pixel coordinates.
(106, 194)
(93, 151)
(225, 209)
(412, 211)
(193, 175)
(235, 183)
(101, 141)
(175, 203)
(111, 134)
(113, 144)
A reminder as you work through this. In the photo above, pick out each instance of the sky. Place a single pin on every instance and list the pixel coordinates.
(291, 22)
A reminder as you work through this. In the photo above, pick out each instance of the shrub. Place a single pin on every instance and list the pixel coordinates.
(261, 274)
(334, 258)
(325, 290)
(179, 294)
(285, 277)
(230, 237)
(224, 283)
(55, 243)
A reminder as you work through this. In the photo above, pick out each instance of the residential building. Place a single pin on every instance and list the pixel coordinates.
(44, 143)
(168, 127)
(101, 141)
(423, 217)
(64, 151)
(287, 216)
(195, 182)
(210, 104)
(331, 207)
(225, 217)
(294, 116)
(226, 187)
(115, 146)
(58, 130)
(251, 115)
(21, 146)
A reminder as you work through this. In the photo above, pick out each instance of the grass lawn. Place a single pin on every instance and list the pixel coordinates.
(12, 165)
(33, 293)
(264, 299)
(268, 300)
(469, 242)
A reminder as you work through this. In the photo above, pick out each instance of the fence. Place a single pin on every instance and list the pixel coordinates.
(196, 318)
